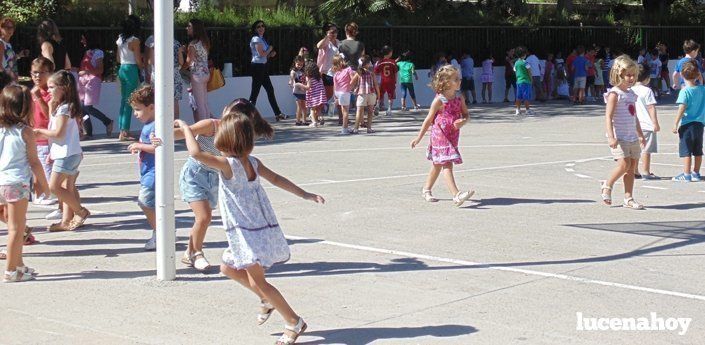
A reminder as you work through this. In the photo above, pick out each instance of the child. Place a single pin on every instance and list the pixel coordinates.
(487, 78)
(244, 207)
(296, 81)
(580, 68)
(407, 70)
(366, 93)
(521, 68)
(689, 123)
(447, 115)
(691, 50)
(624, 135)
(142, 102)
(315, 93)
(89, 84)
(599, 78)
(342, 81)
(387, 69)
(655, 68)
(549, 76)
(467, 70)
(18, 163)
(646, 113)
(65, 150)
(40, 71)
(562, 88)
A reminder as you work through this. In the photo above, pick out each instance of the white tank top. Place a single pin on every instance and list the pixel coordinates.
(127, 56)
(14, 165)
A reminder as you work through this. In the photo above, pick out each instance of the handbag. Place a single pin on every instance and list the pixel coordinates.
(216, 80)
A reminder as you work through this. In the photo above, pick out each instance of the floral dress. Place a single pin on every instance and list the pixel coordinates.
(443, 147)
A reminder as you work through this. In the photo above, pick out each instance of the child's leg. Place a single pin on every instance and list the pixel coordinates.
(202, 219)
(697, 162)
(257, 280)
(489, 92)
(617, 172)
(66, 196)
(645, 164)
(432, 176)
(315, 111)
(687, 161)
(629, 178)
(527, 105)
(484, 91)
(370, 115)
(450, 179)
(241, 277)
(16, 223)
(151, 216)
(344, 112)
(358, 115)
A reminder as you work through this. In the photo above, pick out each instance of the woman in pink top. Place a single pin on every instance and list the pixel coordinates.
(342, 81)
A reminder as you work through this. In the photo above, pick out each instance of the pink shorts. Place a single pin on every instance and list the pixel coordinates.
(13, 193)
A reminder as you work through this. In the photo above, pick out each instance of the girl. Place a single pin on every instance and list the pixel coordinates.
(599, 80)
(447, 115)
(65, 149)
(90, 79)
(342, 80)
(315, 93)
(624, 135)
(129, 56)
(18, 162)
(8, 58)
(296, 81)
(197, 60)
(367, 91)
(255, 240)
(548, 76)
(487, 78)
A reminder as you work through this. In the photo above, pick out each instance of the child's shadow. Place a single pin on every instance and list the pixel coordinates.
(361, 336)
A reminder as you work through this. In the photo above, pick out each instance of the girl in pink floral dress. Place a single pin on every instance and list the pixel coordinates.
(447, 115)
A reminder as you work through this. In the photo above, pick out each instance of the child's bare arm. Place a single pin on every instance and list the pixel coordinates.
(203, 127)
(40, 180)
(679, 116)
(435, 105)
(59, 132)
(651, 108)
(676, 79)
(194, 151)
(284, 183)
(609, 115)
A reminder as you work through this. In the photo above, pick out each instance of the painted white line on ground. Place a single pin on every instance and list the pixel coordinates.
(570, 164)
(654, 187)
(668, 165)
(569, 170)
(582, 176)
(507, 269)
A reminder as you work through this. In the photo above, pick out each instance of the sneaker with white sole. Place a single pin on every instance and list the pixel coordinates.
(44, 200)
(151, 243)
(462, 197)
(682, 177)
(345, 131)
(517, 112)
(54, 215)
(388, 113)
(695, 177)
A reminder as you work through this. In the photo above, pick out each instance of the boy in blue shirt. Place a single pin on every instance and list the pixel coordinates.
(142, 102)
(691, 49)
(689, 123)
(580, 67)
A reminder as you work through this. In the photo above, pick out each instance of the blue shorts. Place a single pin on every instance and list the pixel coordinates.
(198, 183)
(691, 139)
(68, 165)
(524, 92)
(147, 197)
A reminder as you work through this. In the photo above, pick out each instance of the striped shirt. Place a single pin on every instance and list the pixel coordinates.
(367, 85)
(624, 119)
(207, 144)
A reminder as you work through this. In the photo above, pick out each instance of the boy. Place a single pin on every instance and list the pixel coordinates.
(691, 49)
(689, 122)
(407, 73)
(580, 67)
(467, 86)
(655, 65)
(387, 69)
(142, 102)
(40, 70)
(646, 113)
(536, 75)
(521, 68)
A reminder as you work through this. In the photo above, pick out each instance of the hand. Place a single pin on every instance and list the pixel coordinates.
(49, 161)
(612, 142)
(272, 54)
(315, 198)
(414, 142)
(459, 123)
(657, 128)
(180, 124)
(642, 142)
(36, 92)
(134, 148)
(41, 189)
(82, 73)
(675, 130)
(156, 142)
(675, 86)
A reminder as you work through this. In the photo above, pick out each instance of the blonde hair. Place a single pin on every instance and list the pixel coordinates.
(338, 63)
(443, 78)
(236, 135)
(622, 64)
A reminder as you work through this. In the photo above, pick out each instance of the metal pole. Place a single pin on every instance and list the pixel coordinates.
(164, 127)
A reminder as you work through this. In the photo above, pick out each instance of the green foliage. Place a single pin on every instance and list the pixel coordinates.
(31, 11)
(687, 12)
(243, 17)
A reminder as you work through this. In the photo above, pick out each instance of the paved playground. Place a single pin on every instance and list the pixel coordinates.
(377, 264)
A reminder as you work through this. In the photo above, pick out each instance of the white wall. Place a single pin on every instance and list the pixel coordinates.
(238, 87)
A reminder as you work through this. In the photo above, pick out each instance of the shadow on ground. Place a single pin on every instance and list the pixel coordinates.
(367, 335)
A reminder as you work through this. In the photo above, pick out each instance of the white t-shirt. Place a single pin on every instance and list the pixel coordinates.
(535, 64)
(655, 68)
(71, 143)
(127, 56)
(646, 98)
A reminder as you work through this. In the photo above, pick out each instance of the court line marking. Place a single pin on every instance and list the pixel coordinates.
(654, 187)
(506, 269)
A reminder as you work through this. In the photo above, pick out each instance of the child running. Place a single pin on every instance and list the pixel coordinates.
(315, 93)
(646, 113)
(447, 115)
(255, 240)
(624, 135)
(342, 82)
(296, 80)
(689, 123)
(18, 162)
(366, 93)
(65, 151)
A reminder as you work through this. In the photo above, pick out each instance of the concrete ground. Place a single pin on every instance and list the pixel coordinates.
(377, 264)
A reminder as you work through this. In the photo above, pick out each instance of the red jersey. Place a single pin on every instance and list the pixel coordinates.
(41, 120)
(569, 63)
(387, 68)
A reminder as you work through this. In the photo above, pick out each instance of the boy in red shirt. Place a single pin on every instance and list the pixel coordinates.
(387, 68)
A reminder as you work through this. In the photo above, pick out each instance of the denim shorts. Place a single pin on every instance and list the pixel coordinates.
(198, 183)
(68, 165)
(147, 197)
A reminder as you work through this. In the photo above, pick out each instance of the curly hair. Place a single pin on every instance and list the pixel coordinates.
(311, 70)
(443, 78)
(143, 95)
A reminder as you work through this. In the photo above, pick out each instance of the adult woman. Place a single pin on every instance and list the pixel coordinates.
(90, 80)
(197, 60)
(8, 58)
(327, 49)
(350, 47)
(129, 57)
(51, 45)
(178, 63)
(261, 52)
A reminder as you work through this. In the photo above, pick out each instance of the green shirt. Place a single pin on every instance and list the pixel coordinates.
(523, 75)
(406, 71)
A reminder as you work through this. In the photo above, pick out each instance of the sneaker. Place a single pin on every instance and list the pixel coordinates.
(345, 131)
(54, 215)
(151, 243)
(517, 112)
(682, 177)
(354, 131)
(530, 112)
(370, 131)
(417, 107)
(313, 124)
(695, 177)
(44, 200)
(650, 176)
(388, 113)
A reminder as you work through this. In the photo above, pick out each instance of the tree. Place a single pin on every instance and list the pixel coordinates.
(566, 5)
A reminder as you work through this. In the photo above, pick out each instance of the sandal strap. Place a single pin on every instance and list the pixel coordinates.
(296, 328)
(267, 305)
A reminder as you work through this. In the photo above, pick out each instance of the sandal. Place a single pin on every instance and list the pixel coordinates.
(187, 259)
(426, 193)
(606, 197)
(3, 254)
(27, 270)
(263, 317)
(28, 238)
(199, 261)
(462, 197)
(17, 276)
(631, 203)
(78, 221)
(57, 227)
(298, 329)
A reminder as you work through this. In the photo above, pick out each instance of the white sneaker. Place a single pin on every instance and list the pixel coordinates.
(344, 131)
(389, 112)
(151, 243)
(54, 215)
(314, 124)
(44, 200)
(517, 112)
(530, 112)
